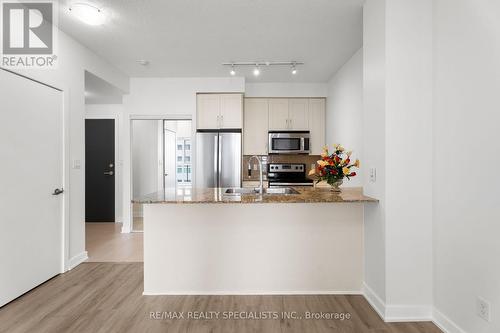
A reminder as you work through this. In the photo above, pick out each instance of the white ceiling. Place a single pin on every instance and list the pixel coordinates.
(191, 38)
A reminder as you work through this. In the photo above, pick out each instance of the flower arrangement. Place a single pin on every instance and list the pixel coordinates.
(334, 167)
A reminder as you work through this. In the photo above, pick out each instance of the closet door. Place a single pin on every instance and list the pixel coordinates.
(31, 178)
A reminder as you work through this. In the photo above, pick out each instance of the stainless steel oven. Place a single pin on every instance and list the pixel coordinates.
(291, 142)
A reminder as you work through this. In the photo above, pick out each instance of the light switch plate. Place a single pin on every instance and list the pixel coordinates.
(77, 164)
(373, 175)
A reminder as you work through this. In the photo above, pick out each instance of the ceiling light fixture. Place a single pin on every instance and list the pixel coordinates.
(87, 13)
(256, 70)
(143, 62)
(256, 65)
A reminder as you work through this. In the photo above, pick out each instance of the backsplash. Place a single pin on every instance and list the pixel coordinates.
(305, 159)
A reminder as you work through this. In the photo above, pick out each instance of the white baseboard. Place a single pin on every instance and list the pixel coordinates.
(375, 301)
(248, 293)
(407, 313)
(77, 260)
(396, 313)
(444, 323)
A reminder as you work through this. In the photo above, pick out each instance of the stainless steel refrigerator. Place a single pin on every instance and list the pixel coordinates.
(218, 158)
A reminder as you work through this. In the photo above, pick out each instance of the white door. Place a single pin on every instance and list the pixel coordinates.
(298, 114)
(208, 111)
(170, 159)
(255, 131)
(31, 168)
(231, 110)
(278, 114)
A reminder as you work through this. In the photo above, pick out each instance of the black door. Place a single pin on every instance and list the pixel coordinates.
(99, 170)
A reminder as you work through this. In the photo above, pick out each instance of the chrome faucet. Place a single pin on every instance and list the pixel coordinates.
(261, 186)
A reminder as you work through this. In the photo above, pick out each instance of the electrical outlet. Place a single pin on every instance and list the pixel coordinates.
(483, 309)
(373, 175)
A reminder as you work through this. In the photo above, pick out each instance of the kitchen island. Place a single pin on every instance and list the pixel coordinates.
(205, 241)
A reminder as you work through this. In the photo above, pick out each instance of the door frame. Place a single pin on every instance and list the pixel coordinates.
(118, 171)
(128, 188)
(65, 260)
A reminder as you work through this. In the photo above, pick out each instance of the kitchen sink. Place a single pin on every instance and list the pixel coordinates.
(273, 190)
(280, 190)
(240, 191)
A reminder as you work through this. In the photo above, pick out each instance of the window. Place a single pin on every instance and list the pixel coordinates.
(179, 170)
(188, 146)
(179, 158)
(179, 147)
(187, 159)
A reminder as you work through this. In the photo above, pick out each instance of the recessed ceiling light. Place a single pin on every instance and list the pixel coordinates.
(232, 72)
(87, 13)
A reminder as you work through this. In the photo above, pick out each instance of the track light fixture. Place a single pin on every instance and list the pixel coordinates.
(256, 66)
(256, 70)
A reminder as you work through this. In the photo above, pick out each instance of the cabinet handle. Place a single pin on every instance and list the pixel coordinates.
(291, 126)
(222, 121)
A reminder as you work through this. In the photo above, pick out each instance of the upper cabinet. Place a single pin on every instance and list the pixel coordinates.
(219, 111)
(208, 111)
(283, 114)
(298, 114)
(290, 114)
(255, 129)
(317, 125)
(231, 110)
(278, 114)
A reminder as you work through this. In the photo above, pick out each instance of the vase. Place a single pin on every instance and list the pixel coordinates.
(335, 185)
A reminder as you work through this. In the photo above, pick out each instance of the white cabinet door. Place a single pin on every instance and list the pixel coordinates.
(231, 111)
(31, 154)
(256, 126)
(208, 111)
(298, 114)
(278, 114)
(317, 124)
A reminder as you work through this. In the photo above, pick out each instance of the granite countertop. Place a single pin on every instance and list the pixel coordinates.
(217, 195)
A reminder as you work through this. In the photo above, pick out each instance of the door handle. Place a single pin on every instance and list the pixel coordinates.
(58, 191)
(109, 173)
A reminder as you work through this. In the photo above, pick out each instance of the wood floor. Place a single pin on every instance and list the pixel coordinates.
(106, 243)
(107, 297)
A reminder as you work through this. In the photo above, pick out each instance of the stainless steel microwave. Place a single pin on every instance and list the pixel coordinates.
(289, 142)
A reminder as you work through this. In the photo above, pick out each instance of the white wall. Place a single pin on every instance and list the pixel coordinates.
(280, 89)
(168, 98)
(408, 121)
(344, 112)
(374, 148)
(74, 59)
(398, 142)
(113, 111)
(466, 155)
